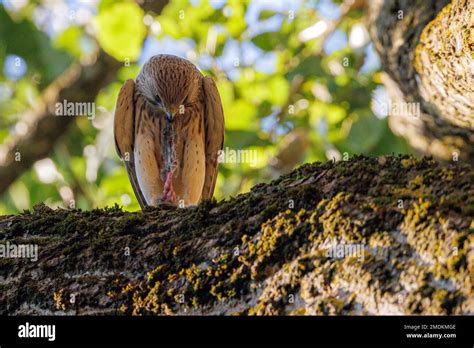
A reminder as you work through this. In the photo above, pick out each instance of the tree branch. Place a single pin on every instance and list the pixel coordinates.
(426, 51)
(364, 236)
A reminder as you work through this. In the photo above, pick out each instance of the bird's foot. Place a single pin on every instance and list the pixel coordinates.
(169, 196)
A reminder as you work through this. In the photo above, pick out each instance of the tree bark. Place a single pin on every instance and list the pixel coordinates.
(387, 235)
(427, 52)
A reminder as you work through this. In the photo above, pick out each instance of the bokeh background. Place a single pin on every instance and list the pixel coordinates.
(299, 81)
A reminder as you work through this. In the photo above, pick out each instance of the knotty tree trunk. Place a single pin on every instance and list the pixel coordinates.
(387, 235)
(427, 52)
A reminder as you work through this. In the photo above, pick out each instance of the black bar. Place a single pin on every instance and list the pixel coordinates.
(243, 330)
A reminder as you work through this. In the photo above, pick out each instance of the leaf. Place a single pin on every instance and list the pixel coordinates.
(331, 112)
(244, 116)
(268, 41)
(366, 131)
(310, 66)
(389, 143)
(279, 90)
(121, 30)
(335, 114)
(69, 40)
(239, 139)
(34, 46)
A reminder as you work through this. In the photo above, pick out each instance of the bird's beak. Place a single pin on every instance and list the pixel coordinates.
(169, 116)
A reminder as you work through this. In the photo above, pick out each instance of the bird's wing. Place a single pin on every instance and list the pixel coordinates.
(124, 134)
(214, 134)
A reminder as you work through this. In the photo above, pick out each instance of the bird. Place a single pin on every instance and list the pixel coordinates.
(169, 131)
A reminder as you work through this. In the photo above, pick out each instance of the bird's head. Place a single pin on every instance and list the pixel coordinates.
(169, 84)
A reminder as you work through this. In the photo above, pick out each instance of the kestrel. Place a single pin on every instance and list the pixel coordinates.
(169, 128)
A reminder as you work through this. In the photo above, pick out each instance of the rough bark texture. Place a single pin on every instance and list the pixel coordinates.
(263, 252)
(427, 51)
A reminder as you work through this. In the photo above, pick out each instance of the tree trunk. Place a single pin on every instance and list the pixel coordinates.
(427, 51)
(387, 235)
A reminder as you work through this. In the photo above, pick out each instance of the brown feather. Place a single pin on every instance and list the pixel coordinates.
(214, 133)
(124, 129)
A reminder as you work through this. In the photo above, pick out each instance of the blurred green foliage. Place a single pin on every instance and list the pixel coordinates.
(290, 103)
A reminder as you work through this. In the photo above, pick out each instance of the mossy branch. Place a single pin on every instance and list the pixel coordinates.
(388, 235)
